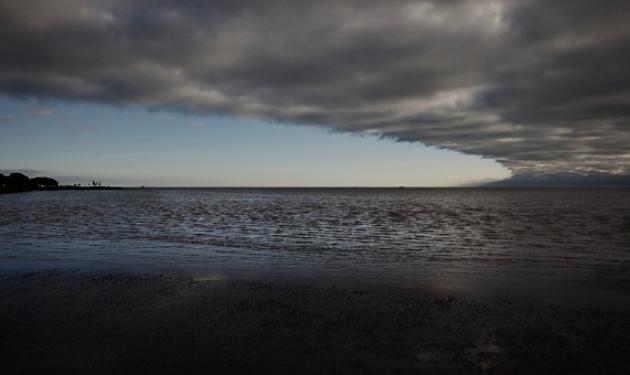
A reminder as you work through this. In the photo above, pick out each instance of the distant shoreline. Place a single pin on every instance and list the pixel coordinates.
(310, 188)
(68, 187)
(17, 182)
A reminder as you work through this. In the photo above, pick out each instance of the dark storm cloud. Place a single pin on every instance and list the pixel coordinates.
(538, 86)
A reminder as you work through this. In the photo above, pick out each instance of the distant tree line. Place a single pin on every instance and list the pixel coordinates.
(16, 182)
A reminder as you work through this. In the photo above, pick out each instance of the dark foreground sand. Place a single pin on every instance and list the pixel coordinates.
(61, 322)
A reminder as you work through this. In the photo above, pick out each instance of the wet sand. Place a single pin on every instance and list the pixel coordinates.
(104, 323)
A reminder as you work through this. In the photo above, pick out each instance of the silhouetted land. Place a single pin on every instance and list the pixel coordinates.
(17, 183)
(561, 180)
(62, 322)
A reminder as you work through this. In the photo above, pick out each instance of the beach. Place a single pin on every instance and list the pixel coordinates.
(60, 321)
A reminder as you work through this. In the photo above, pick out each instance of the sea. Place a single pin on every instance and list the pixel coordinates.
(552, 245)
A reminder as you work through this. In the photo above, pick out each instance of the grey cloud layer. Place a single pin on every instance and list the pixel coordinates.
(540, 86)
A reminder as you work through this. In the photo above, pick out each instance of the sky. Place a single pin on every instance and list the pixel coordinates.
(130, 146)
(333, 93)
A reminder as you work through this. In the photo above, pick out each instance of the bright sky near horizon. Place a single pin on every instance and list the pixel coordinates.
(131, 146)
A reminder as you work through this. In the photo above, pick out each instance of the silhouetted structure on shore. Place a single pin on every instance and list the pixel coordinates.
(17, 182)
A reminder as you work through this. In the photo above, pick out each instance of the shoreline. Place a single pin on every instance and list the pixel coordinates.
(57, 321)
(58, 188)
(28, 190)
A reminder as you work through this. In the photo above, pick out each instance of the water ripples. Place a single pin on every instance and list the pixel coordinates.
(413, 234)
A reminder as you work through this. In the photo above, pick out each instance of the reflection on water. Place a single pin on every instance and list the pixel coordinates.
(459, 237)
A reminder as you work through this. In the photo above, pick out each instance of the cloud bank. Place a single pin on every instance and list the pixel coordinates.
(539, 86)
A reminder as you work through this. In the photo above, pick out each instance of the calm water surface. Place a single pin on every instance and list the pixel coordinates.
(475, 240)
